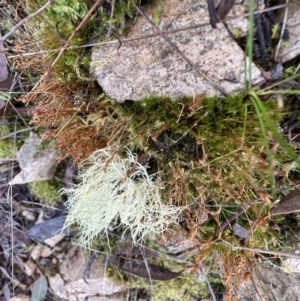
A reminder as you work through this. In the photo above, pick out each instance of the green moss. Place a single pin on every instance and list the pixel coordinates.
(9, 146)
(57, 23)
(183, 287)
(212, 146)
(7, 149)
(46, 191)
(210, 154)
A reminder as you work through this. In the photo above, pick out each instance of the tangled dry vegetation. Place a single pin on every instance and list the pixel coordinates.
(222, 162)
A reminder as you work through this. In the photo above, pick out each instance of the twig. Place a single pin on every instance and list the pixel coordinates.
(212, 294)
(111, 17)
(282, 29)
(141, 37)
(270, 252)
(180, 52)
(17, 132)
(96, 4)
(25, 20)
(3, 62)
(253, 226)
(232, 218)
(142, 249)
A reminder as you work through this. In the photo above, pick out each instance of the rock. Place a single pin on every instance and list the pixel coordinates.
(152, 66)
(100, 286)
(36, 164)
(291, 48)
(97, 286)
(45, 230)
(271, 283)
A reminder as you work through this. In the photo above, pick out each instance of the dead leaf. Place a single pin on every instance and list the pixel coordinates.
(151, 271)
(39, 290)
(196, 103)
(20, 297)
(289, 204)
(29, 267)
(35, 253)
(6, 228)
(58, 286)
(6, 291)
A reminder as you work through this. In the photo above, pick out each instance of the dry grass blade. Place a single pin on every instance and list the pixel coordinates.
(258, 250)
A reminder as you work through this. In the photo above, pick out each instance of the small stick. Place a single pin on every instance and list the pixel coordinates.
(232, 218)
(111, 17)
(282, 29)
(270, 252)
(253, 226)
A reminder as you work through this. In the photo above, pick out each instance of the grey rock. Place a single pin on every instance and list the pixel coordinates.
(44, 230)
(152, 66)
(269, 283)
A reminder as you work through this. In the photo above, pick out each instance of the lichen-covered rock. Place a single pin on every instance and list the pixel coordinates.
(152, 66)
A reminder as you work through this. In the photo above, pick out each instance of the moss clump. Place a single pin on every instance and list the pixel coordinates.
(56, 24)
(7, 149)
(183, 287)
(186, 285)
(209, 149)
(46, 191)
(9, 146)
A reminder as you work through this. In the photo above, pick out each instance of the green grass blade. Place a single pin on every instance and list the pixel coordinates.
(249, 46)
(272, 126)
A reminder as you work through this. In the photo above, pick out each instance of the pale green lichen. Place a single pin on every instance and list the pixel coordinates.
(117, 191)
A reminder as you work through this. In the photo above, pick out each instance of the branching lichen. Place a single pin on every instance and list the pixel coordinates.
(118, 191)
